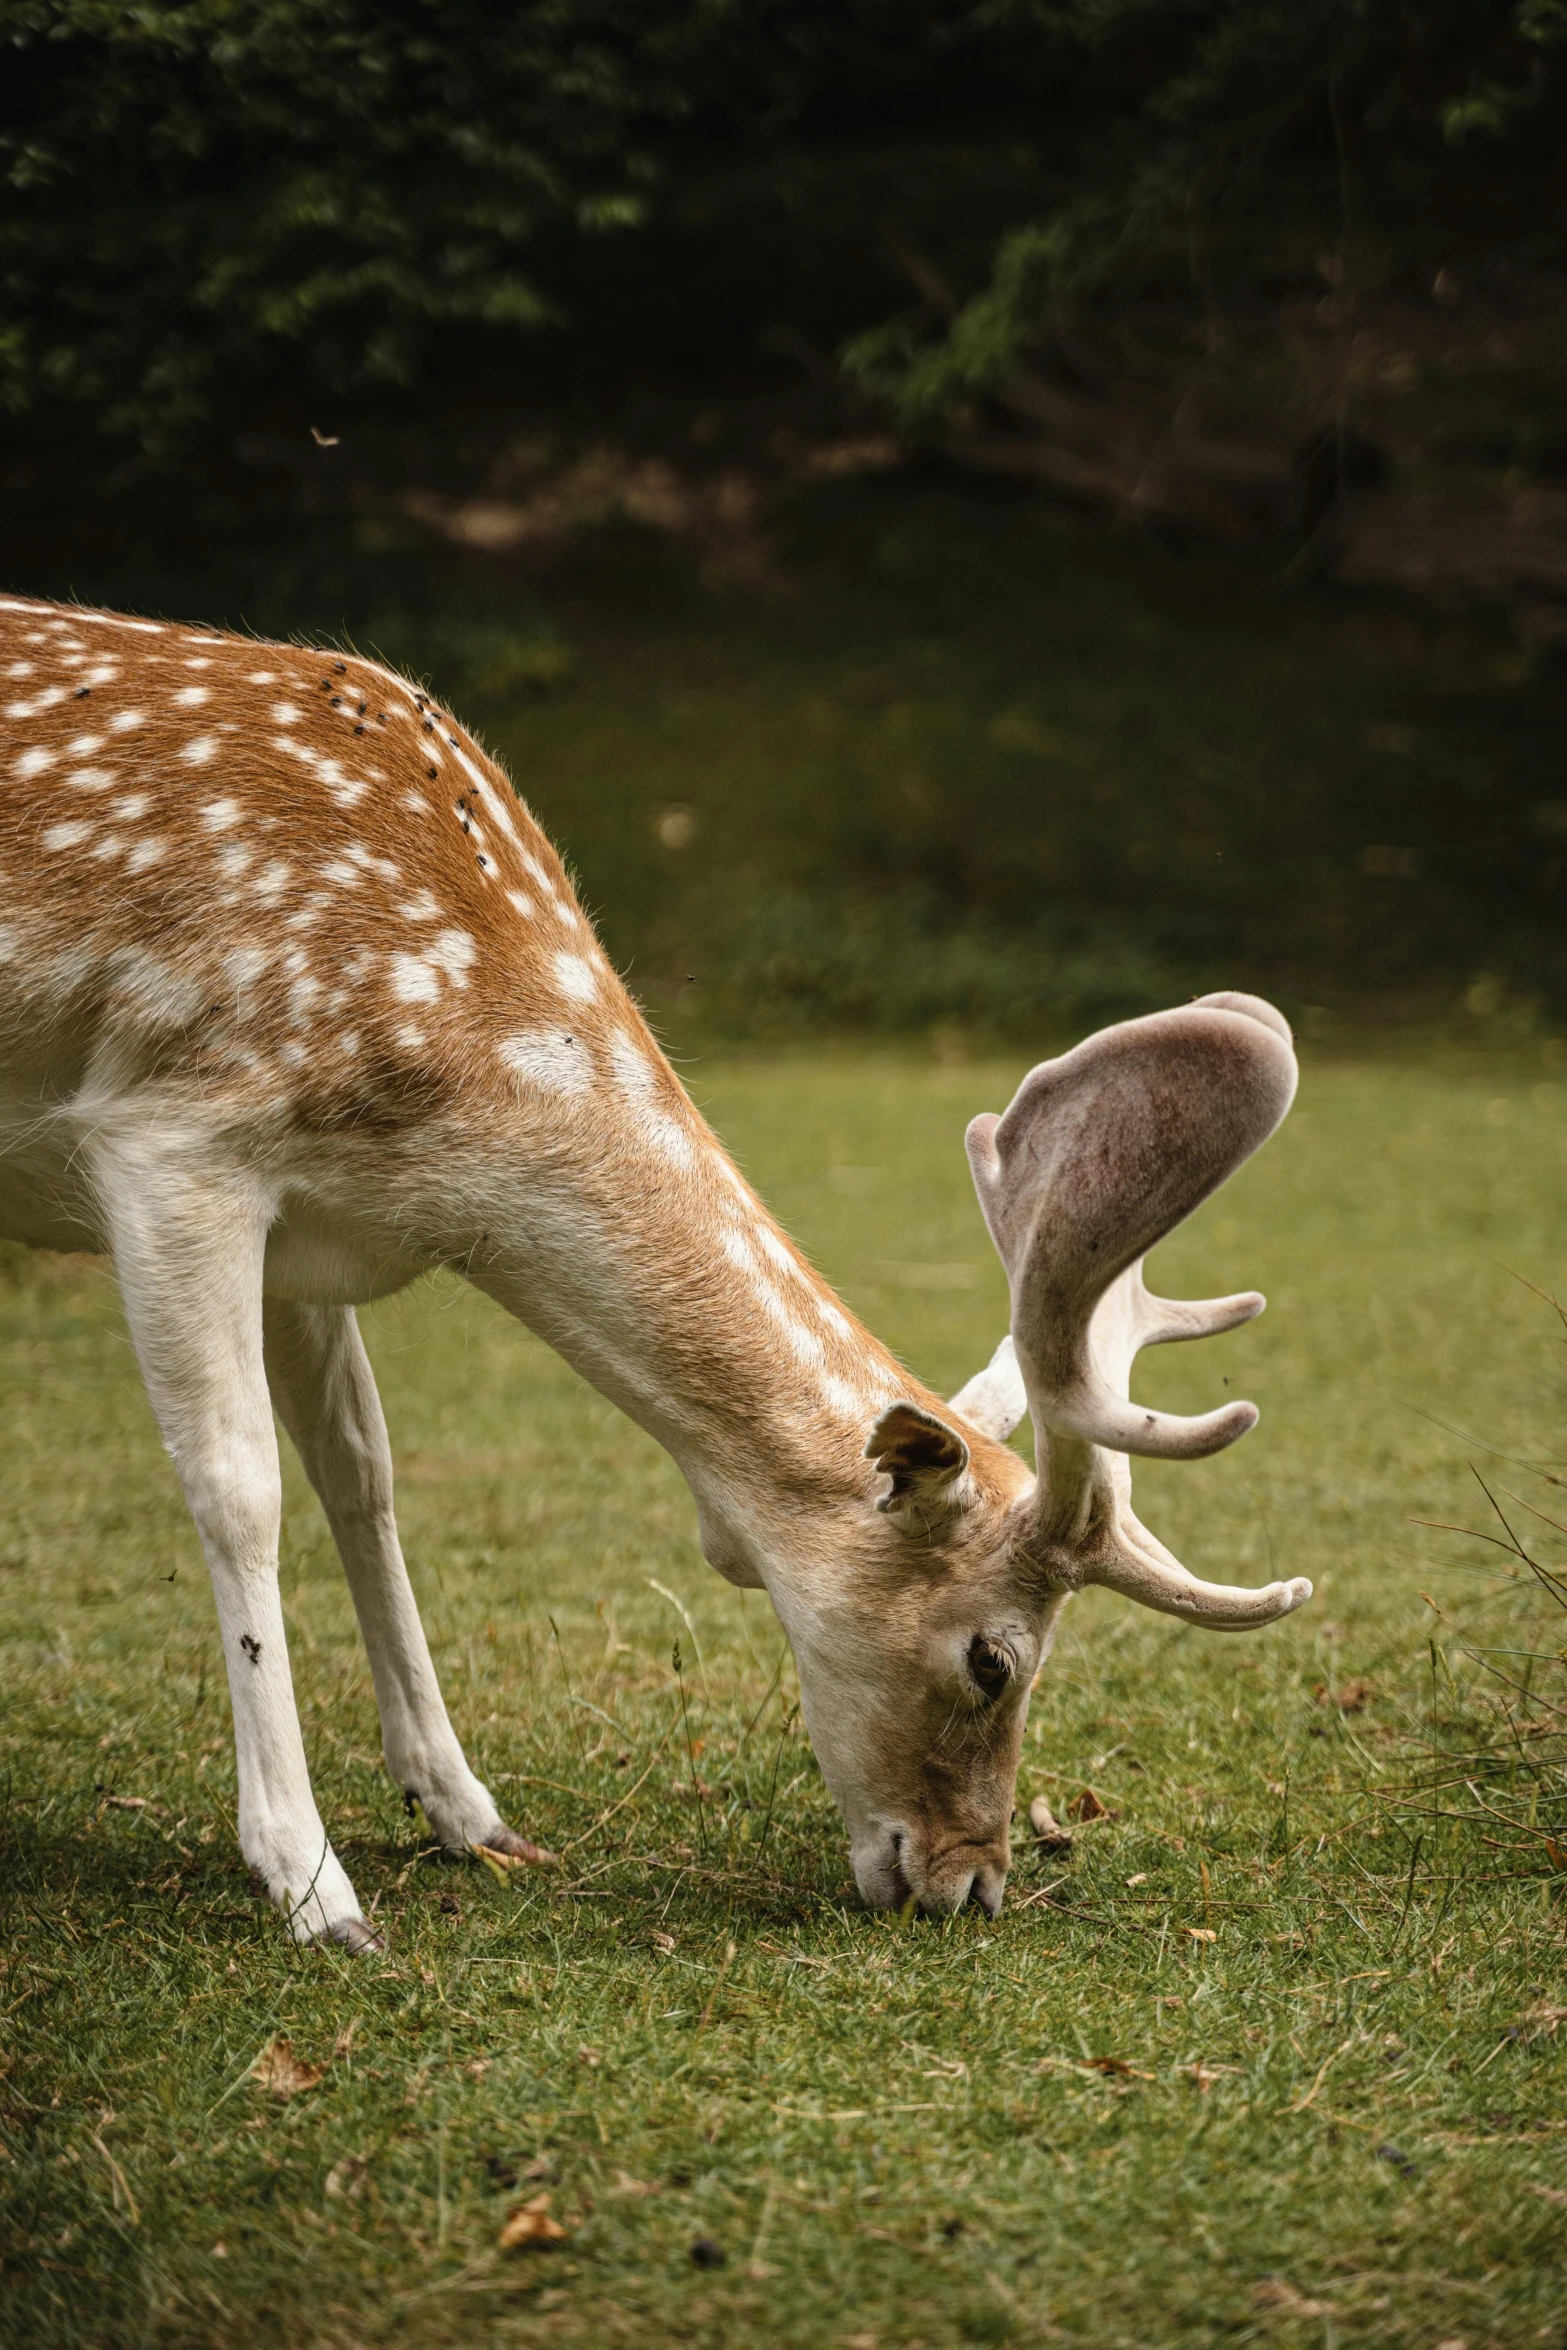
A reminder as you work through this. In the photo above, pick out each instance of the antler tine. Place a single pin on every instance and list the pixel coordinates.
(1137, 1565)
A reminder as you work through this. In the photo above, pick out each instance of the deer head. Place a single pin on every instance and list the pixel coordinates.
(916, 1666)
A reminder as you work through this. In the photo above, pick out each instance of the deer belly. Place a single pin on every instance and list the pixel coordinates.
(318, 1258)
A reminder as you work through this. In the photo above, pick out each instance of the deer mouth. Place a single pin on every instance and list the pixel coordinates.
(892, 1879)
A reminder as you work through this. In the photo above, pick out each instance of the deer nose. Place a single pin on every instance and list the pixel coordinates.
(988, 1890)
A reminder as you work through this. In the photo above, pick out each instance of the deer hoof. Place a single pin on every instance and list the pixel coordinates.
(357, 1935)
(505, 1845)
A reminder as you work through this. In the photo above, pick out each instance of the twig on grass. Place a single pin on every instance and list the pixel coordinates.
(119, 2182)
(605, 1817)
(683, 1612)
(696, 1784)
(1326, 2066)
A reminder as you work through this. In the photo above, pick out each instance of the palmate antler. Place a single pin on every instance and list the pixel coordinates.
(1102, 1153)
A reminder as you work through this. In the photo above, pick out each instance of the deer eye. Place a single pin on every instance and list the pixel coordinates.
(991, 1665)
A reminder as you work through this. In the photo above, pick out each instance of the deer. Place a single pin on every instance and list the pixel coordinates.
(298, 1004)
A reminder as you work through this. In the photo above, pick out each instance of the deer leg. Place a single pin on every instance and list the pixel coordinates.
(325, 1394)
(188, 1250)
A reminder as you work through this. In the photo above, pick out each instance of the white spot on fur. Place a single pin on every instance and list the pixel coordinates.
(453, 953)
(84, 746)
(93, 778)
(410, 1036)
(67, 836)
(413, 982)
(221, 815)
(286, 713)
(200, 751)
(339, 869)
(34, 762)
(130, 805)
(738, 1250)
(523, 905)
(422, 907)
(125, 721)
(261, 677)
(549, 1059)
(44, 701)
(836, 1322)
(576, 978)
(638, 1080)
(772, 1246)
(145, 853)
(272, 880)
(233, 860)
(190, 697)
(242, 965)
(302, 995)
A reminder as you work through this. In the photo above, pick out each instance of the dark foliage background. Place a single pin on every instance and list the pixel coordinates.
(673, 381)
(220, 201)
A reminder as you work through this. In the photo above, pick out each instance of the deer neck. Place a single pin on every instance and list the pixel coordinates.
(671, 1289)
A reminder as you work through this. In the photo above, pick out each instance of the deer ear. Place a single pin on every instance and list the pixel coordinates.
(927, 1462)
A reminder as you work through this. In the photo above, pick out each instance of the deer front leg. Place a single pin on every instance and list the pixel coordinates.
(188, 1247)
(326, 1398)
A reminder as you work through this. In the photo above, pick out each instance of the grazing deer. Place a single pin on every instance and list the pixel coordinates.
(296, 1003)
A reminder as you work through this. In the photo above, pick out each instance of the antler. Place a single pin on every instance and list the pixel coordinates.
(1102, 1153)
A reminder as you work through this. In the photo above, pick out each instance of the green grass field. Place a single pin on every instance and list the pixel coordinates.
(1251, 2065)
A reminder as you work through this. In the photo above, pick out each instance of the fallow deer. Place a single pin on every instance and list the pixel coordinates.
(296, 1003)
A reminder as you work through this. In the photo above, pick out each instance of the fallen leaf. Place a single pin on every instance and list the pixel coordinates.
(1556, 1853)
(345, 2174)
(1351, 1698)
(664, 1942)
(529, 2224)
(590, 2057)
(1049, 1830)
(1543, 2019)
(1274, 2294)
(126, 1802)
(281, 2073)
(1200, 1933)
(625, 2184)
(1141, 1878)
(1109, 2064)
(1089, 1807)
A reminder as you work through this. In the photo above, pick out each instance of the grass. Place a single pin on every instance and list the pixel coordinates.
(1254, 2064)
